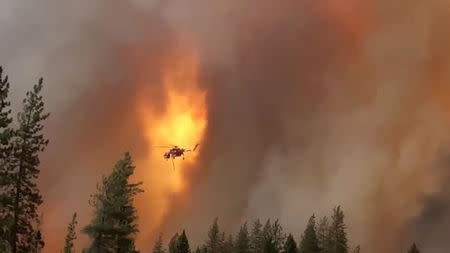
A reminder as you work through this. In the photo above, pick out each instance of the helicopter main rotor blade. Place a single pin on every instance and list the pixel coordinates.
(163, 146)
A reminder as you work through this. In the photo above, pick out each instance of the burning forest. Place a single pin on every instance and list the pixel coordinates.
(323, 126)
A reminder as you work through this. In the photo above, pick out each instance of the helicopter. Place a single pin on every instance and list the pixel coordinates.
(176, 151)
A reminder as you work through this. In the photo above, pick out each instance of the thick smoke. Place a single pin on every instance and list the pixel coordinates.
(315, 109)
(309, 106)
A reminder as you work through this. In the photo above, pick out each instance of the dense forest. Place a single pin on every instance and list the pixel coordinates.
(114, 227)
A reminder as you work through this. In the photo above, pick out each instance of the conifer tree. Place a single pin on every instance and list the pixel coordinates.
(173, 244)
(197, 250)
(27, 143)
(183, 244)
(159, 248)
(323, 237)
(272, 237)
(290, 246)
(357, 249)
(338, 234)
(413, 249)
(267, 245)
(256, 239)
(309, 242)
(6, 178)
(278, 236)
(216, 240)
(114, 225)
(228, 245)
(37, 242)
(71, 235)
(242, 244)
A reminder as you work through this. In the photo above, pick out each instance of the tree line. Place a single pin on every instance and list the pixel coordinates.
(329, 236)
(113, 227)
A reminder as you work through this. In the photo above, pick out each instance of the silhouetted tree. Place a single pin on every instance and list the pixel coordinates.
(309, 242)
(272, 237)
(71, 235)
(37, 242)
(183, 244)
(27, 143)
(242, 244)
(256, 240)
(173, 244)
(323, 235)
(290, 245)
(159, 248)
(6, 175)
(216, 240)
(338, 235)
(114, 225)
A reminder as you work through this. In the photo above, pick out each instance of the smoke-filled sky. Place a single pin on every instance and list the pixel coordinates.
(298, 105)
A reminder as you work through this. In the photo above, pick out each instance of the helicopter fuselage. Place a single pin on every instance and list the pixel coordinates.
(175, 152)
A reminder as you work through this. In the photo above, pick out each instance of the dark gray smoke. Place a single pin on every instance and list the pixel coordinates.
(309, 106)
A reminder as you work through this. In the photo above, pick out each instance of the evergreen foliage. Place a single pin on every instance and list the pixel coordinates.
(173, 244)
(23, 167)
(71, 235)
(6, 176)
(272, 237)
(114, 225)
(323, 235)
(338, 234)
(183, 244)
(242, 244)
(159, 248)
(290, 246)
(216, 240)
(309, 242)
(256, 239)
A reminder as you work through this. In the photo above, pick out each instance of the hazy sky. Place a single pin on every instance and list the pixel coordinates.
(308, 105)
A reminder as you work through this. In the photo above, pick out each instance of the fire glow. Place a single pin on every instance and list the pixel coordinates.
(182, 122)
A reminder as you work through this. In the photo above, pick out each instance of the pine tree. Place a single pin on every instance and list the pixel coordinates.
(114, 225)
(309, 242)
(158, 248)
(413, 249)
(173, 244)
(272, 237)
(290, 246)
(242, 244)
(215, 241)
(183, 244)
(256, 240)
(338, 235)
(27, 143)
(37, 243)
(71, 235)
(357, 249)
(228, 245)
(278, 236)
(323, 236)
(6, 178)
(197, 250)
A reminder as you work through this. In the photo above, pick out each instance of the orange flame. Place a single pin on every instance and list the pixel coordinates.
(181, 123)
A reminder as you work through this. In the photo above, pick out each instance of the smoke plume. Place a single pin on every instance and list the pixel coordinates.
(307, 105)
